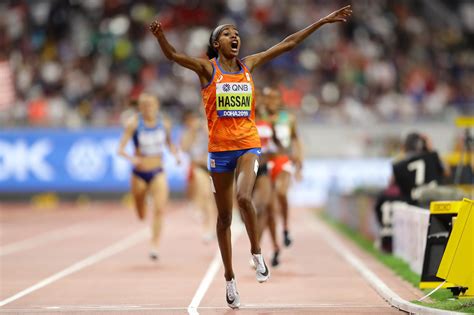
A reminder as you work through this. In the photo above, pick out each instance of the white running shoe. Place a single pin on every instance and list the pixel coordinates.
(231, 294)
(262, 271)
(153, 254)
(252, 263)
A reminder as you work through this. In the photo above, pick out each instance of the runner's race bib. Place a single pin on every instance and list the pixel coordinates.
(233, 99)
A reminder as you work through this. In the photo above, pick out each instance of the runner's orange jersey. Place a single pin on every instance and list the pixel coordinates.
(229, 100)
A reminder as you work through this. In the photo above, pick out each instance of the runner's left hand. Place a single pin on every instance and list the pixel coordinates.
(340, 15)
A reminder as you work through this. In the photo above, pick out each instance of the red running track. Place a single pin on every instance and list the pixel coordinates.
(93, 258)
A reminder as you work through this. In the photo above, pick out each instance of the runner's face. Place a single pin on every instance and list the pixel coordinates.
(273, 101)
(149, 107)
(228, 43)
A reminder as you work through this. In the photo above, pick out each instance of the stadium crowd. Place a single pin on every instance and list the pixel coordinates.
(79, 62)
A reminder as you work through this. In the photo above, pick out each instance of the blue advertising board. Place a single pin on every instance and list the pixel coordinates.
(86, 160)
(64, 160)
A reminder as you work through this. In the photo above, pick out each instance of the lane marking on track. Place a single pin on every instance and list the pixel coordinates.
(375, 282)
(211, 273)
(149, 307)
(345, 252)
(93, 259)
(41, 239)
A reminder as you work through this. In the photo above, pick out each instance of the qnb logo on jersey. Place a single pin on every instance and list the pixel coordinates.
(233, 88)
(233, 99)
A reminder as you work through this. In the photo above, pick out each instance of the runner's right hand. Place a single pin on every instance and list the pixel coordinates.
(156, 28)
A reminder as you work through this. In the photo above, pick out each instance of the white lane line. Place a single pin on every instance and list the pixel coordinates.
(375, 282)
(93, 259)
(211, 273)
(145, 307)
(40, 240)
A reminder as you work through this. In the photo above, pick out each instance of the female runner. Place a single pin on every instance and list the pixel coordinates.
(234, 144)
(150, 132)
(289, 160)
(194, 142)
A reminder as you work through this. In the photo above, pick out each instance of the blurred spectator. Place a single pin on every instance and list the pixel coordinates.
(420, 169)
(7, 89)
(461, 162)
(418, 178)
(77, 62)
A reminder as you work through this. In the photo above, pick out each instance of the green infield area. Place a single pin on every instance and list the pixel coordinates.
(441, 299)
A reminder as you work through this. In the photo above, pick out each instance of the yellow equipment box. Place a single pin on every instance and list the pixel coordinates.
(457, 264)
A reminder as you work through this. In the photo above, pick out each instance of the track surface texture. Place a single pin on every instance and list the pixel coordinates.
(94, 258)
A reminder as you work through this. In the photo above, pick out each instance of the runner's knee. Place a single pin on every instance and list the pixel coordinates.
(158, 210)
(281, 192)
(244, 201)
(270, 214)
(224, 221)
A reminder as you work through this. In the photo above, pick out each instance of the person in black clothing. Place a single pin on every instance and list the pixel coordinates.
(420, 170)
(414, 181)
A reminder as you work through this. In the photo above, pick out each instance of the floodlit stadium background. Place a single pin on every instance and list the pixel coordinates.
(69, 69)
